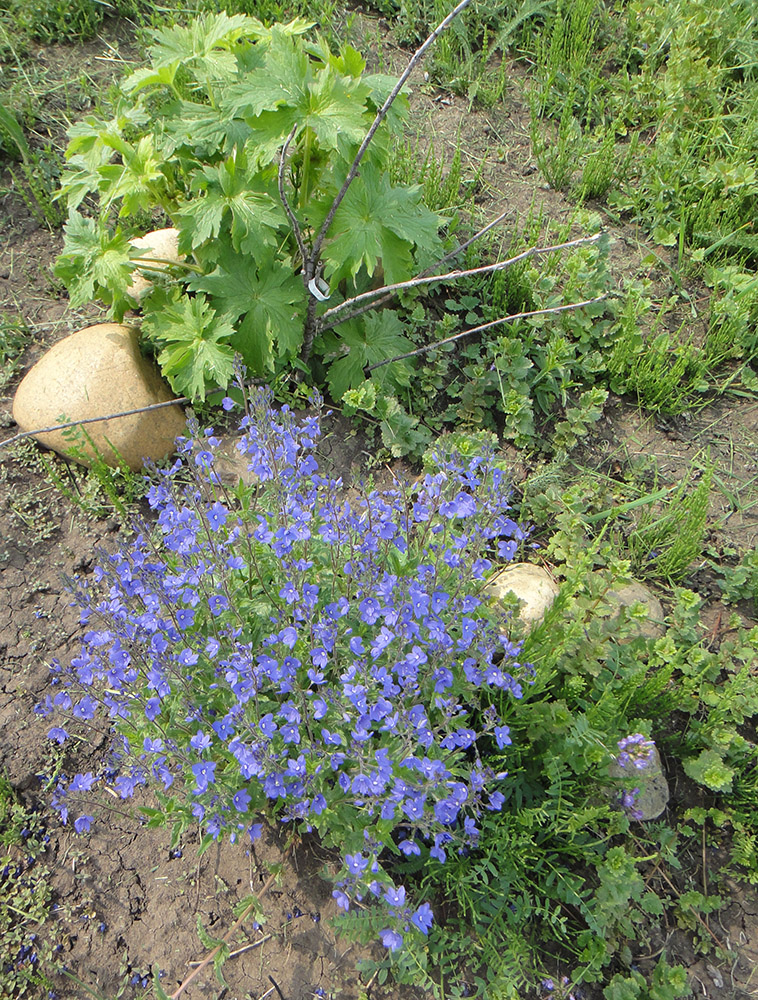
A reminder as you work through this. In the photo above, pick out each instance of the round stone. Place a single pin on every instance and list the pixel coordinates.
(92, 373)
(163, 246)
(652, 627)
(532, 585)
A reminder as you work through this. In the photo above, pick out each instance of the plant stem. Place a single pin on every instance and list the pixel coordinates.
(305, 181)
(287, 207)
(312, 262)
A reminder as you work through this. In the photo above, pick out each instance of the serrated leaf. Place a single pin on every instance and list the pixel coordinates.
(94, 263)
(401, 432)
(160, 993)
(206, 939)
(204, 45)
(151, 76)
(196, 353)
(252, 903)
(381, 86)
(202, 127)
(225, 190)
(710, 770)
(282, 80)
(361, 398)
(92, 142)
(346, 373)
(136, 180)
(271, 300)
(378, 337)
(378, 222)
(287, 92)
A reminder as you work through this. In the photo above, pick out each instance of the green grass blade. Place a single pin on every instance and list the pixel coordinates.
(11, 130)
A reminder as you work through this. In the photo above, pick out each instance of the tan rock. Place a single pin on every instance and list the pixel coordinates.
(161, 244)
(532, 585)
(94, 372)
(652, 627)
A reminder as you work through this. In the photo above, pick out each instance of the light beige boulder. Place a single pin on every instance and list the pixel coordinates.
(94, 372)
(162, 246)
(652, 626)
(532, 585)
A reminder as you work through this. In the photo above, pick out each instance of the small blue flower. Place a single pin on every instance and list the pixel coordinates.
(391, 939)
(241, 800)
(356, 863)
(502, 736)
(83, 823)
(395, 896)
(423, 918)
(204, 774)
(200, 741)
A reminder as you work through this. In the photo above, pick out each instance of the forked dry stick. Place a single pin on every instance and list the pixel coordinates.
(487, 326)
(500, 265)
(312, 261)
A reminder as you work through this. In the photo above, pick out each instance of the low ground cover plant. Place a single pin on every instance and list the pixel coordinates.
(278, 653)
(25, 898)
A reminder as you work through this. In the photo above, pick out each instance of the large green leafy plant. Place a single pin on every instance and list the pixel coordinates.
(270, 156)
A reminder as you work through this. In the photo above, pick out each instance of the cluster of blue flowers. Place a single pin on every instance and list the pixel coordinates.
(279, 651)
(636, 753)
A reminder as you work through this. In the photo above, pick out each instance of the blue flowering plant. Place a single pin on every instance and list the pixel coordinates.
(275, 652)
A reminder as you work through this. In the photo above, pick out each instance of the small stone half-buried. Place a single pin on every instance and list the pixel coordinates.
(92, 373)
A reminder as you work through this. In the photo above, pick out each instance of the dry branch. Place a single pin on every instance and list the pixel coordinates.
(91, 420)
(501, 265)
(487, 326)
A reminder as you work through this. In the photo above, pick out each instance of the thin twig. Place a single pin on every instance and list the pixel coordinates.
(455, 252)
(241, 951)
(225, 939)
(276, 987)
(464, 246)
(487, 326)
(380, 116)
(501, 265)
(287, 208)
(92, 420)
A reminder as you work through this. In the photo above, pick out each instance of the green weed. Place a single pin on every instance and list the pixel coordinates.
(666, 540)
(35, 182)
(469, 59)
(101, 489)
(26, 957)
(740, 582)
(14, 336)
